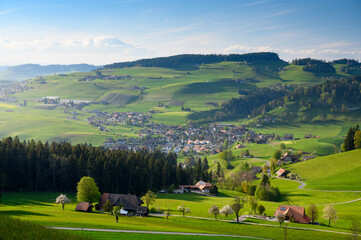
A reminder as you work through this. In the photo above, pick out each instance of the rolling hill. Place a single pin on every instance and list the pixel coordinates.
(158, 86)
(334, 172)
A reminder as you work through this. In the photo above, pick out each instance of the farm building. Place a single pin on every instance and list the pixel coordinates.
(84, 207)
(293, 213)
(130, 203)
(199, 186)
(282, 172)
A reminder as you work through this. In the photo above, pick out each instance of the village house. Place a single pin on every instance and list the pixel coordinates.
(289, 158)
(293, 214)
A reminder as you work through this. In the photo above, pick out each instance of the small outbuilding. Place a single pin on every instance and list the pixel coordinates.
(84, 207)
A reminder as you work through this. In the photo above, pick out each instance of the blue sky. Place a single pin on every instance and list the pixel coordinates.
(102, 32)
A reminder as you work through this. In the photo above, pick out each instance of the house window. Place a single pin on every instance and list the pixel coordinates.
(283, 209)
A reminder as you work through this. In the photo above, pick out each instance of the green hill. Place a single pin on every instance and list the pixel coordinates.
(152, 85)
(334, 172)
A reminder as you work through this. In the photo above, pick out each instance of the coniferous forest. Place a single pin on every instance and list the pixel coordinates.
(58, 167)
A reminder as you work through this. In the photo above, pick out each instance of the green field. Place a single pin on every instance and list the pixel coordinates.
(40, 208)
(335, 172)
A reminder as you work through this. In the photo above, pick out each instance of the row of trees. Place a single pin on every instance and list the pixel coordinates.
(352, 140)
(58, 167)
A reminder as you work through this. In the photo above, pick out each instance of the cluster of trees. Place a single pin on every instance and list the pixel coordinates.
(58, 167)
(352, 140)
(314, 65)
(194, 60)
(352, 66)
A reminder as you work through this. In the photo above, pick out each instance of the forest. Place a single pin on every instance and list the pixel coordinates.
(194, 60)
(58, 167)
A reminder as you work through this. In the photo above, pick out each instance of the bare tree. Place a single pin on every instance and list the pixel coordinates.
(330, 214)
(312, 213)
(62, 199)
(214, 210)
(237, 206)
(184, 210)
(226, 210)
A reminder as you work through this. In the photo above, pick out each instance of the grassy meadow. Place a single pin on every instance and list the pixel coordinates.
(335, 172)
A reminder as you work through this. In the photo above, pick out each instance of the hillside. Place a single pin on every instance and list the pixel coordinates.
(26, 71)
(160, 92)
(334, 172)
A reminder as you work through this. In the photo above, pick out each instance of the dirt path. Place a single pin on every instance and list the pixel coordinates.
(154, 232)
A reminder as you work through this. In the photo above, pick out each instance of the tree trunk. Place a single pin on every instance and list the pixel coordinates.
(329, 222)
(63, 206)
(116, 218)
(237, 218)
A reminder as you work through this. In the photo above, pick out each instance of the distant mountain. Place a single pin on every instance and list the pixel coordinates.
(26, 71)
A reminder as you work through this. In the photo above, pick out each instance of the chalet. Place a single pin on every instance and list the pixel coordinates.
(282, 172)
(200, 186)
(84, 207)
(293, 213)
(130, 203)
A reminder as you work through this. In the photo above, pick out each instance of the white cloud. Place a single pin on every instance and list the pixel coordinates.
(244, 49)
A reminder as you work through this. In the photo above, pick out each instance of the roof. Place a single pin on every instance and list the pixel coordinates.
(84, 207)
(129, 202)
(280, 171)
(297, 213)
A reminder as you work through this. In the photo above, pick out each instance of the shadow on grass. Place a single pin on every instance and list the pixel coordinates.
(184, 196)
(22, 213)
(24, 202)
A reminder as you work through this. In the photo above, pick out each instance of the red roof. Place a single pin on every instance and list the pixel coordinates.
(297, 213)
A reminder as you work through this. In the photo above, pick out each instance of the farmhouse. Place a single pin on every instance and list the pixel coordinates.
(282, 172)
(130, 203)
(199, 186)
(84, 207)
(293, 213)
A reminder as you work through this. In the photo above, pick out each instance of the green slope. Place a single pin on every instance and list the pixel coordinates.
(334, 172)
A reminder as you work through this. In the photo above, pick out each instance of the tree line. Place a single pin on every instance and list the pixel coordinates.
(58, 167)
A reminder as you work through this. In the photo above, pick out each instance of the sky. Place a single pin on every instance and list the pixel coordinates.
(104, 32)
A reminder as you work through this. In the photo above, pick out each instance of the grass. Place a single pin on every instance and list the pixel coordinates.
(12, 228)
(335, 172)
